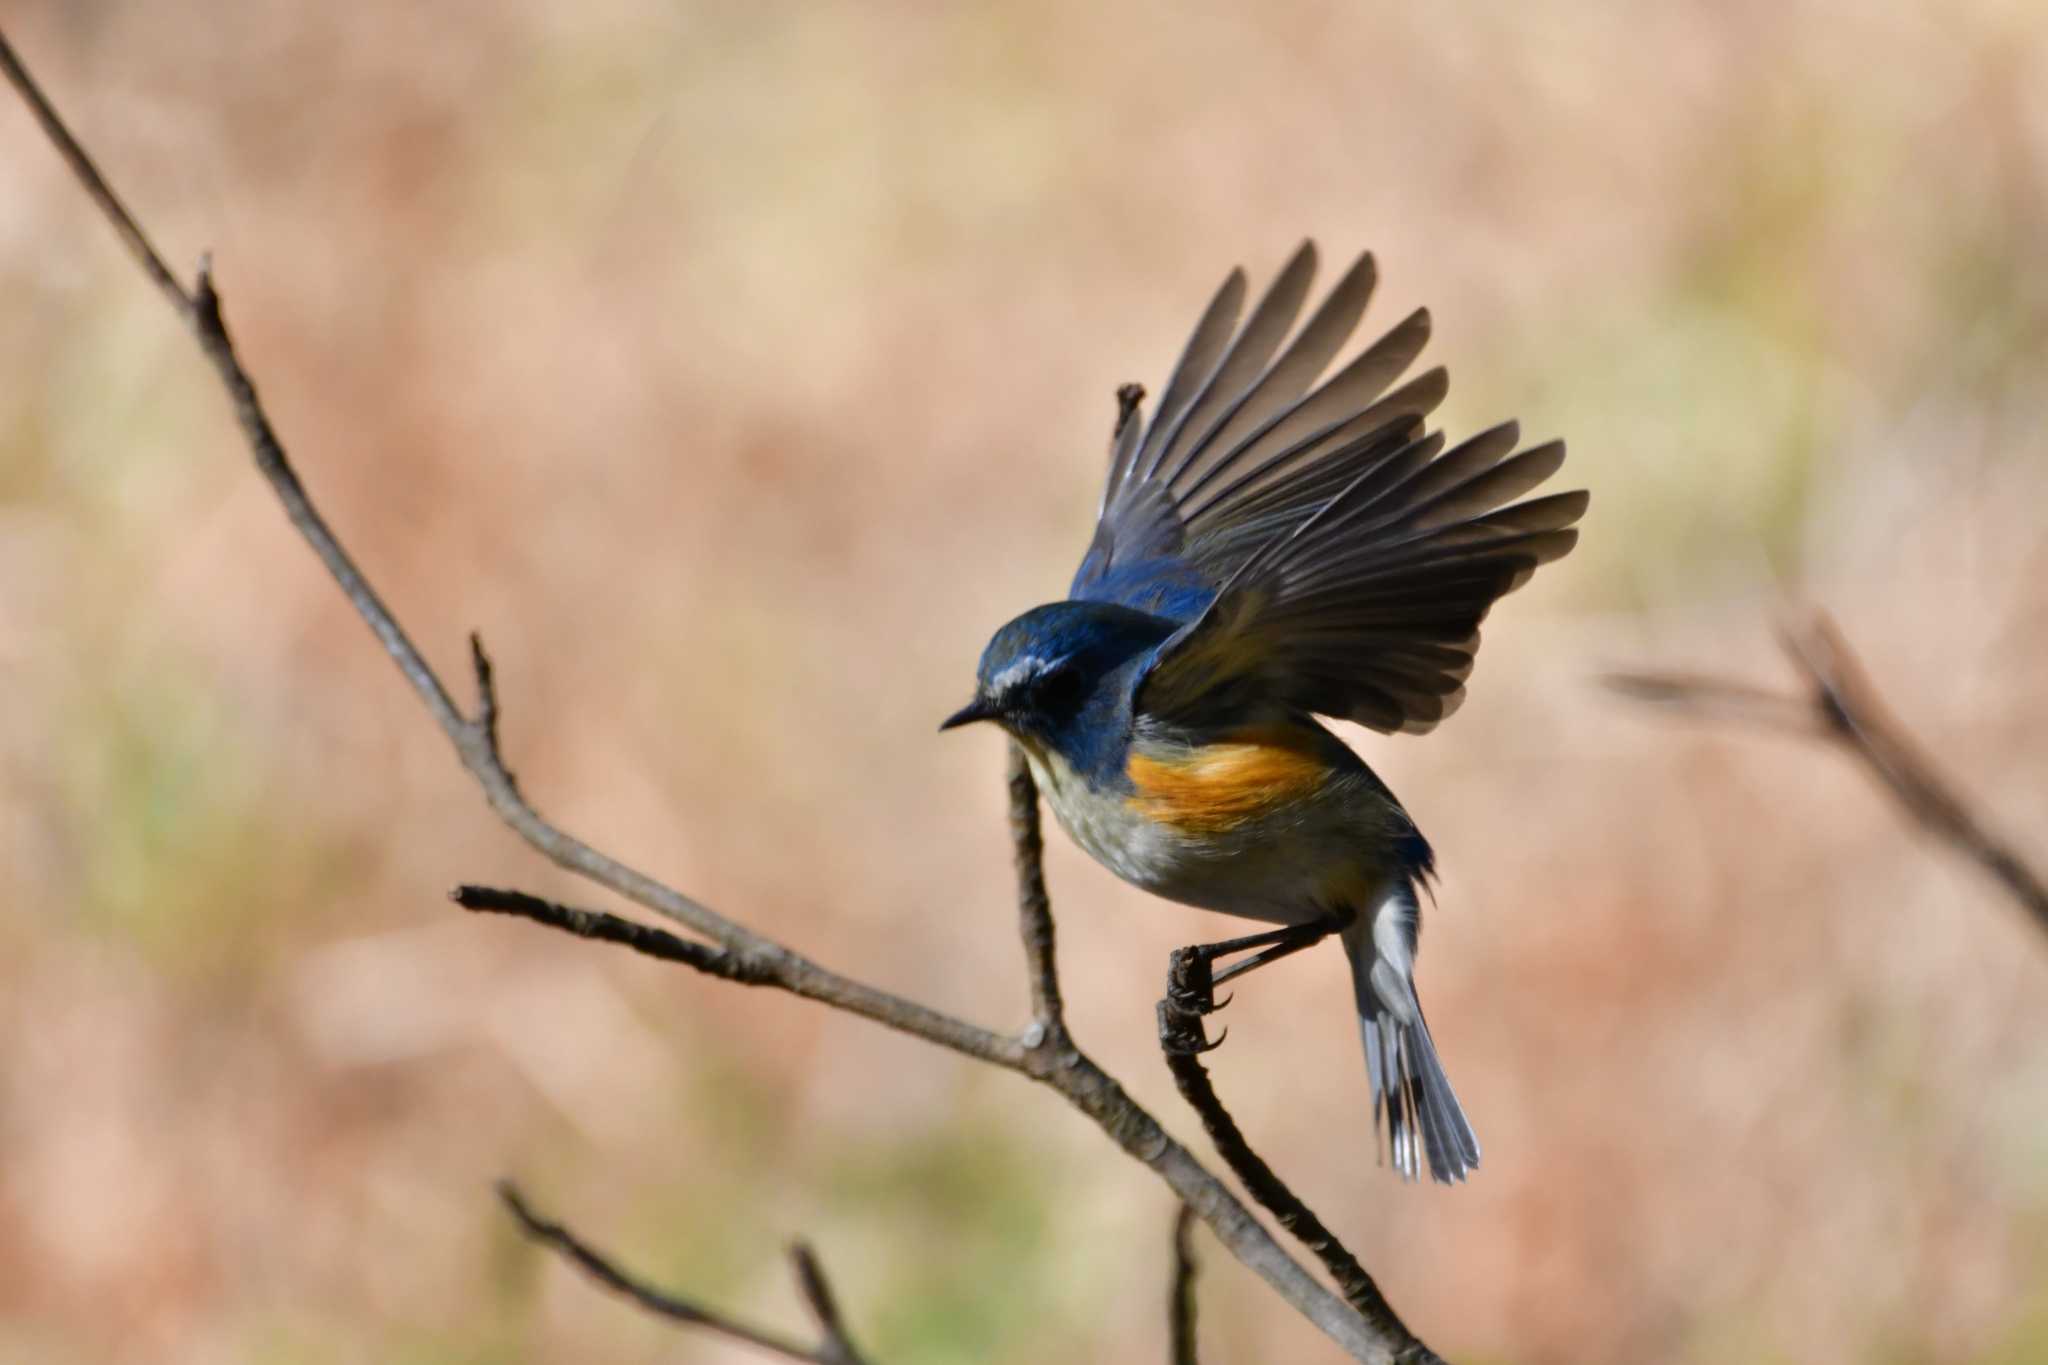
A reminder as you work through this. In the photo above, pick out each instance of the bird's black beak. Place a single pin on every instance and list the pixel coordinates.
(978, 709)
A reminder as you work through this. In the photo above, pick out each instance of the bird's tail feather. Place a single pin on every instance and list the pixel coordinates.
(1413, 1103)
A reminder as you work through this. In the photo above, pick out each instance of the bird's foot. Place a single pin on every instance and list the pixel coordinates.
(1190, 998)
(1192, 978)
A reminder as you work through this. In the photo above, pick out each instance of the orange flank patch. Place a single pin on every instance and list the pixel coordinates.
(1220, 786)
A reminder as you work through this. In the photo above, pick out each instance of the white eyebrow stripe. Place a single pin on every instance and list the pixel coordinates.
(1022, 671)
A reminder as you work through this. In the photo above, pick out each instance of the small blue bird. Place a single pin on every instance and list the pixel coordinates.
(1269, 550)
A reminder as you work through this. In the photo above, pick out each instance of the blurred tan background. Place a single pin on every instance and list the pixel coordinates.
(736, 370)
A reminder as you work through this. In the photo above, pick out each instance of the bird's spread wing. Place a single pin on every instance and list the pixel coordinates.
(1323, 549)
(1241, 447)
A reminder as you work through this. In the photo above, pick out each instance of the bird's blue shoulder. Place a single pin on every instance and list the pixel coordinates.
(1161, 585)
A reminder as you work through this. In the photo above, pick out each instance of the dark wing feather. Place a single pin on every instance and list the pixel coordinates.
(1242, 448)
(1370, 608)
(1321, 546)
(1197, 363)
(1242, 366)
(1273, 393)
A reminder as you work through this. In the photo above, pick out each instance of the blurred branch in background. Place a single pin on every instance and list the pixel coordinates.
(1841, 706)
(836, 1347)
(833, 1349)
(1044, 1051)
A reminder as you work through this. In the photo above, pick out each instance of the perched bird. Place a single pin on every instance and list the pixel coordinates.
(1269, 550)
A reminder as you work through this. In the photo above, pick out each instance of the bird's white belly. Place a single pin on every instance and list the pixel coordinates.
(1281, 870)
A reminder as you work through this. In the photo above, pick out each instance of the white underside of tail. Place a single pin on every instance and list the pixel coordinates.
(1412, 1098)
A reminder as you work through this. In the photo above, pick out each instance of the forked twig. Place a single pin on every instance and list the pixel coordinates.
(833, 1349)
(1842, 706)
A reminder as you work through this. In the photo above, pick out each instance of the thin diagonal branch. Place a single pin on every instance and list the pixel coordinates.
(1841, 705)
(835, 1349)
(608, 928)
(749, 956)
(1180, 1301)
(1182, 1039)
(96, 187)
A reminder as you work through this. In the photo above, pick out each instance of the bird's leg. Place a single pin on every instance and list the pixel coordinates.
(1192, 978)
(1272, 947)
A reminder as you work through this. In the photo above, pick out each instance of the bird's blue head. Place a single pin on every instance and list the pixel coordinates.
(1061, 676)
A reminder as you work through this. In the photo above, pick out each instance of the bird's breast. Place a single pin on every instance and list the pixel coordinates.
(1100, 821)
(1270, 826)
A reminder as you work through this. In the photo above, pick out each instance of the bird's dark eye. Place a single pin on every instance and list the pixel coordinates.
(1059, 690)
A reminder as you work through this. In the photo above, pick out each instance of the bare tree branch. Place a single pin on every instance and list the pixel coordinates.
(1034, 907)
(1717, 698)
(1182, 1039)
(101, 193)
(1842, 706)
(1180, 1303)
(834, 1349)
(837, 1348)
(604, 927)
(1043, 1053)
